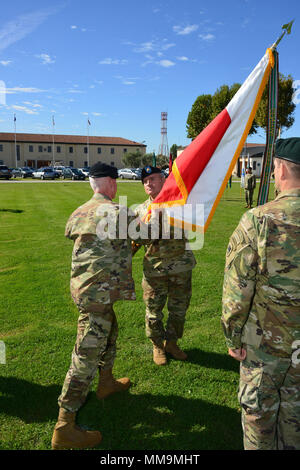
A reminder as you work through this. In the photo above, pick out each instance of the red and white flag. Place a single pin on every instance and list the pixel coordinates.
(200, 174)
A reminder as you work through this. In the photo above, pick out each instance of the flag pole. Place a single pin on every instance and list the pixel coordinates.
(88, 150)
(16, 160)
(53, 123)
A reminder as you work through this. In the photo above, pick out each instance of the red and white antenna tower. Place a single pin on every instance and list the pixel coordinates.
(164, 148)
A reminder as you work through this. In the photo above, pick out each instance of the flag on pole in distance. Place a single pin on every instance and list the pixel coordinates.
(243, 174)
(200, 174)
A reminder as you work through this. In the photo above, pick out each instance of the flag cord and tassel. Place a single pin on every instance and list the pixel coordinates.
(271, 134)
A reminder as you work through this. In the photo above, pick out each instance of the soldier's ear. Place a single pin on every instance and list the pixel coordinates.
(284, 171)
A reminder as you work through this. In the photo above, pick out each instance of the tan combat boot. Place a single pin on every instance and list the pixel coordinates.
(109, 385)
(172, 348)
(159, 355)
(69, 436)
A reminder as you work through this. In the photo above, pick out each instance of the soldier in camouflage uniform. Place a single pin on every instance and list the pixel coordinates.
(250, 184)
(101, 274)
(261, 310)
(167, 275)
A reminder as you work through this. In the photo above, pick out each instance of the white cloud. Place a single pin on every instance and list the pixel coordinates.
(72, 90)
(183, 58)
(166, 63)
(46, 59)
(21, 26)
(5, 62)
(207, 37)
(165, 47)
(73, 26)
(34, 105)
(127, 80)
(11, 91)
(110, 61)
(24, 109)
(186, 30)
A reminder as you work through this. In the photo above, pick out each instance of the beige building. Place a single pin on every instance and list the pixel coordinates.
(37, 150)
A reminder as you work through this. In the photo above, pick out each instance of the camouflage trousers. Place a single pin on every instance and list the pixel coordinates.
(95, 347)
(249, 196)
(269, 394)
(174, 290)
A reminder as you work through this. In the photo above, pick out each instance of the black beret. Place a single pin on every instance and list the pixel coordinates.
(288, 149)
(101, 170)
(149, 170)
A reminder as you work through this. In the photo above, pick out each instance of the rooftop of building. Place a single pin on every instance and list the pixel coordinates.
(67, 139)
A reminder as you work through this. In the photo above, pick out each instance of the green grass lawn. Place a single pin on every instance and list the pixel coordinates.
(183, 406)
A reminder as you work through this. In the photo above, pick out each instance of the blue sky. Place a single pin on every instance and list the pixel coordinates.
(122, 63)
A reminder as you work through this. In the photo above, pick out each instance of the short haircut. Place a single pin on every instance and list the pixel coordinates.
(293, 168)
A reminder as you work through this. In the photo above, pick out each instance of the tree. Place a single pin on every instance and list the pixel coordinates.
(147, 159)
(173, 151)
(207, 107)
(199, 116)
(285, 109)
(132, 160)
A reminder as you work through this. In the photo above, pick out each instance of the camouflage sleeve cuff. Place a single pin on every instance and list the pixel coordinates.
(233, 343)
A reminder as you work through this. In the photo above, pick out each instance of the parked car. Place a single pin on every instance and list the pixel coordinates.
(44, 173)
(85, 170)
(128, 173)
(57, 173)
(58, 169)
(73, 174)
(24, 172)
(138, 172)
(5, 172)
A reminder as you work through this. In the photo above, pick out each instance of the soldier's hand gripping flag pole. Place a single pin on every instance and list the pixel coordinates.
(200, 174)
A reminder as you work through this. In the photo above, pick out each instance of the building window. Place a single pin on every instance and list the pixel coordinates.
(112, 163)
(40, 148)
(30, 148)
(70, 149)
(71, 163)
(254, 164)
(85, 164)
(18, 152)
(1, 162)
(99, 149)
(49, 149)
(85, 150)
(58, 149)
(124, 150)
(1, 148)
(112, 150)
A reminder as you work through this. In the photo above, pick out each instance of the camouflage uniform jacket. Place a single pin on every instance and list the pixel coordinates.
(101, 268)
(250, 182)
(165, 256)
(261, 292)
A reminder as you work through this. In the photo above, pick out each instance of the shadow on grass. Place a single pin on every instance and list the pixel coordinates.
(14, 211)
(132, 422)
(212, 360)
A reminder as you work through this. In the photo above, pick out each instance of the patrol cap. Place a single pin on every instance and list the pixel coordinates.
(101, 170)
(149, 170)
(288, 149)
